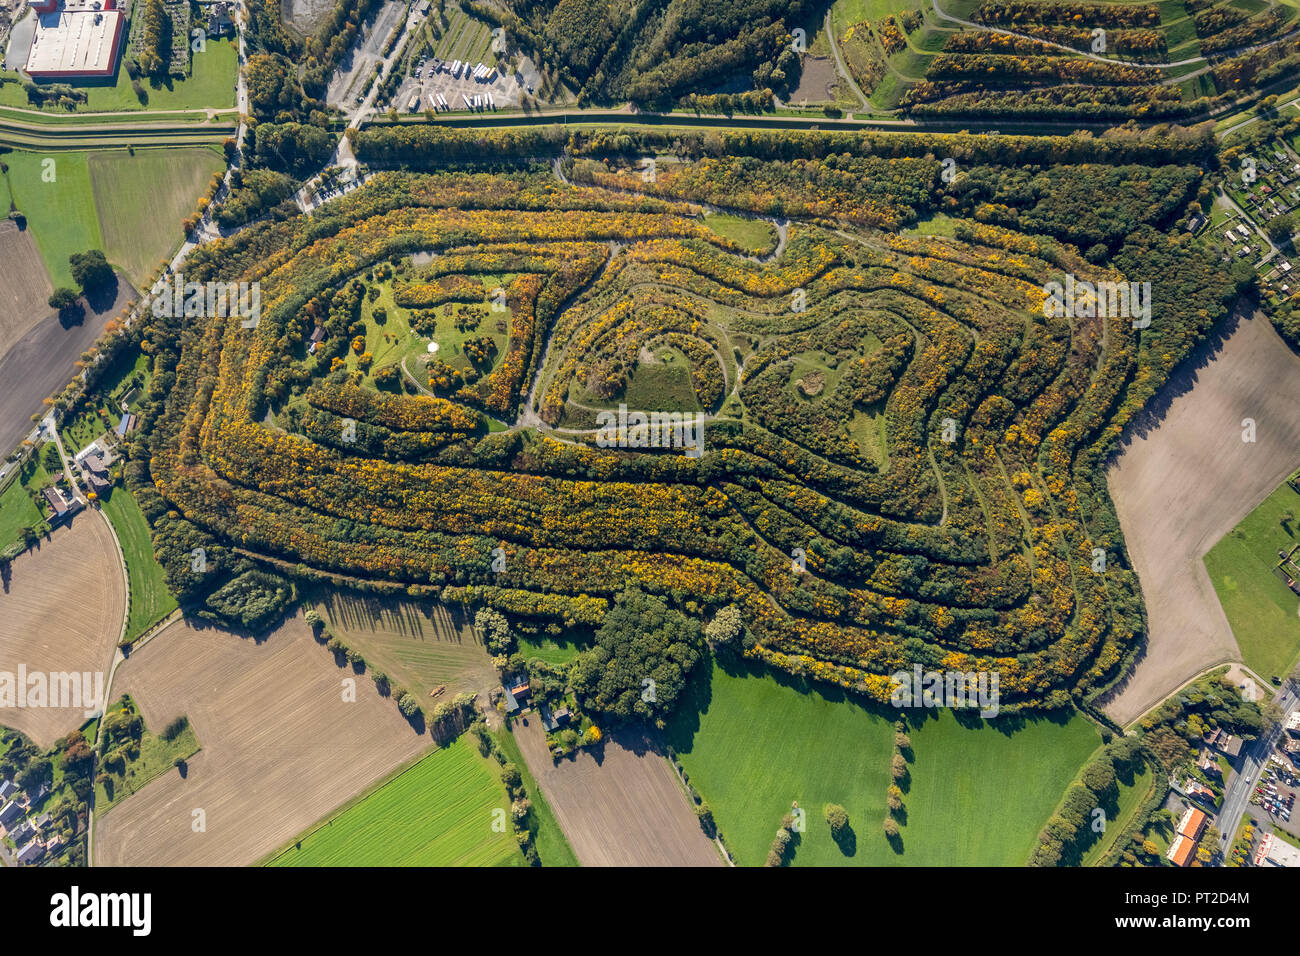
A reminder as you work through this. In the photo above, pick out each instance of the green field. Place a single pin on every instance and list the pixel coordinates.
(438, 812)
(142, 199)
(211, 85)
(1259, 606)
(978, 794)
(16, 513)
(848, 12)
(555, 652)
(150, 599)
(1131, 795)
(60, 214)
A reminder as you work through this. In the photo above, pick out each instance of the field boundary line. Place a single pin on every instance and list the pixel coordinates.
(348, 804)
(114, 661)
(717, 840)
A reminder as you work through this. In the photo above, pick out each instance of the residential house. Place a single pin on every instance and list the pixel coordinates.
(30, 853)
(11, 813)
(219, 22)
(96, 463)
(553, 721)
(1197, 790)
(56, 500)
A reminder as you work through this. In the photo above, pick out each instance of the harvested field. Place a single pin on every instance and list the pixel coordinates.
(1185, 479)
(43, 361)
(26, 290)
(419, 644)
(281, 749)
(626, 808)
(61, 609)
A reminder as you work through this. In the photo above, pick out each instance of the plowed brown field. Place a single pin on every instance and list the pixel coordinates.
(622, 807)
(61, 611)
(280, 747)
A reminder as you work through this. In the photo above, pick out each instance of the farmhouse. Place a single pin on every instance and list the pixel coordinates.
(553, 721)
(511, 703)
(75, 39)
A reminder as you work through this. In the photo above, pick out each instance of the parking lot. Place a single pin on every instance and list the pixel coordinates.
(458, 85)
(1276, 790)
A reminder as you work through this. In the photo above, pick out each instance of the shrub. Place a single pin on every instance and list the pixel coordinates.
(705, 816)
(175, 728)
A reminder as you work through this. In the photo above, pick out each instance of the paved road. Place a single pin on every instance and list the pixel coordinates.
(1237, 797)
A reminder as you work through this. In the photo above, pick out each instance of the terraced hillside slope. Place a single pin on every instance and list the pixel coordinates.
(900, 453)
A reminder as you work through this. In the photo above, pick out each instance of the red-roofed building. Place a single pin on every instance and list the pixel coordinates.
(1183, 850)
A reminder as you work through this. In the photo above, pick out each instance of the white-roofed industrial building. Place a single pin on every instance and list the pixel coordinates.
(75, 38)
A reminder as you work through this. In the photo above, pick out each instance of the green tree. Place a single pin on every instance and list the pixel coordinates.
(90, 269)
(643, 654)
(63, 298)
(725, 626)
